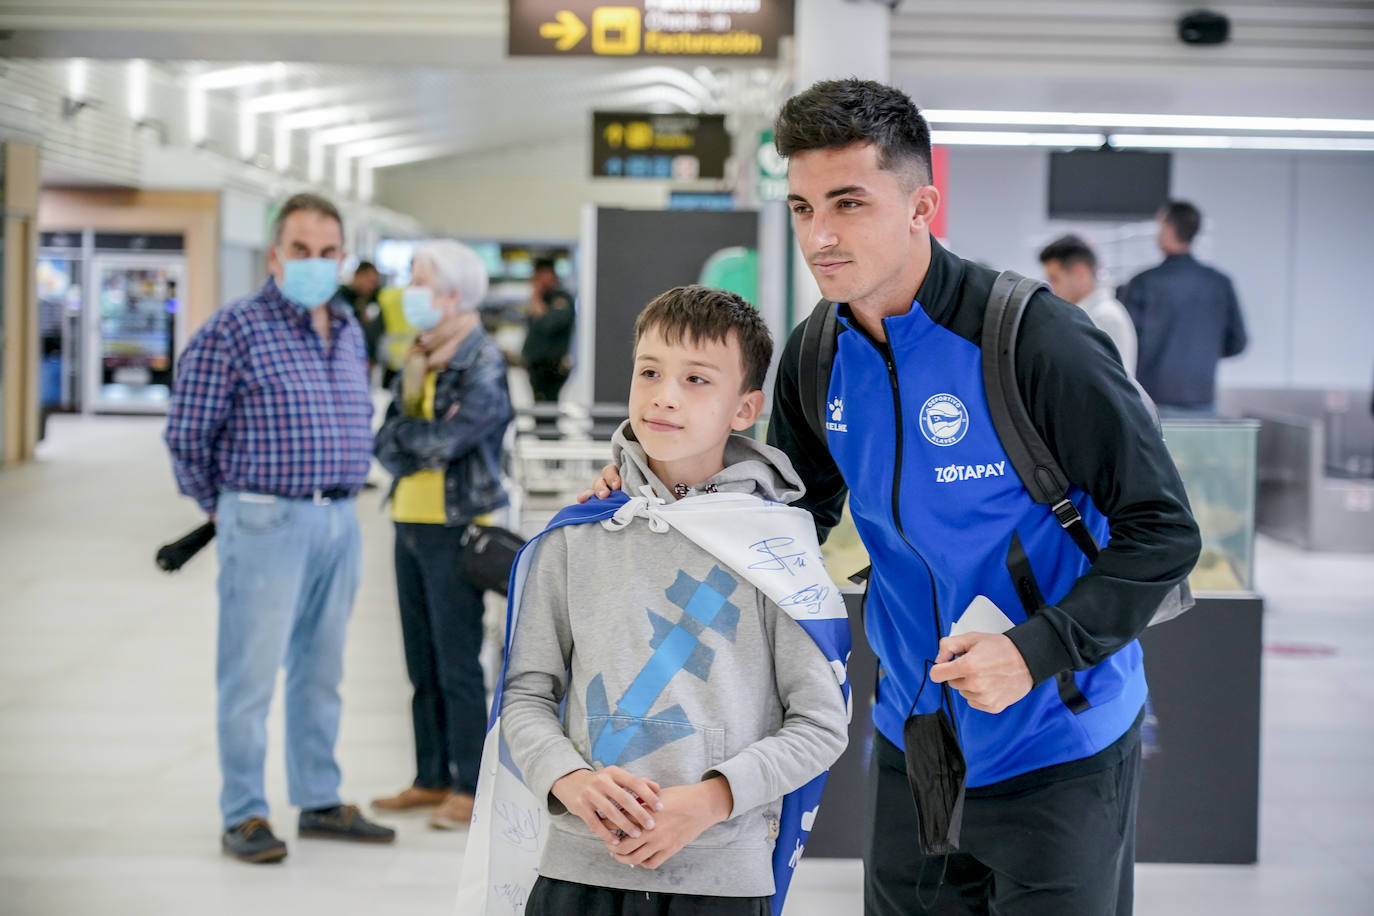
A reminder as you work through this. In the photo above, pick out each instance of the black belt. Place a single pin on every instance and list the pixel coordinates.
(324, 497)
(320, 497)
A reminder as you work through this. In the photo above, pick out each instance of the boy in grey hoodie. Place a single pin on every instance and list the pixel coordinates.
(693, 702)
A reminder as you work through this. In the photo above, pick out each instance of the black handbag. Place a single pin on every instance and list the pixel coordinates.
(486, 555)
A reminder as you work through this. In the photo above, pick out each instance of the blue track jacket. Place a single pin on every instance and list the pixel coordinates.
(942, 512)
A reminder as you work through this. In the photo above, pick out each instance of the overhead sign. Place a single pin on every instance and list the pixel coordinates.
(665, 146)
(648, 28)
(701, 200)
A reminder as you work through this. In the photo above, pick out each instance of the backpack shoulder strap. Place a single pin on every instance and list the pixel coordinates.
(1030, 456)
(816, 359)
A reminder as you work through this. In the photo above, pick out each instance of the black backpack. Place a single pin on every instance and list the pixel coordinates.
(1040, 473)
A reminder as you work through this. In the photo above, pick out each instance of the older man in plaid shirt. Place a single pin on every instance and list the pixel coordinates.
(270, 432)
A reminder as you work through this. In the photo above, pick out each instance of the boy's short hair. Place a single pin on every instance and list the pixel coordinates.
(700, 313)
(1069, 250)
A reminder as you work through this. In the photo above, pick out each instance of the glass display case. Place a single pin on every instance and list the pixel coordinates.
(1216, 459)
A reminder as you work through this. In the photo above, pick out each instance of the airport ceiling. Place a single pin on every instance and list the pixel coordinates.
(413, 80)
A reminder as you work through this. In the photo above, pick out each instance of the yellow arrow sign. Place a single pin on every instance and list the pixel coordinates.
(568, 30)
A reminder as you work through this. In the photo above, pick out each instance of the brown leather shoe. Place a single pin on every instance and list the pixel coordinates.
(412, 797)
(454, 814)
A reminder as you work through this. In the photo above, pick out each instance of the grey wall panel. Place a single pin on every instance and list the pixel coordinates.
(1333, 243)
(996, 205)
(641, 253)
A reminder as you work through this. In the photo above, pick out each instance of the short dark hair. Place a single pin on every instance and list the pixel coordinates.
(1069, 250)
(700, 313)
(1183, 218)
(309, 203)
(837, 113)
(365, 267)
(545, 264)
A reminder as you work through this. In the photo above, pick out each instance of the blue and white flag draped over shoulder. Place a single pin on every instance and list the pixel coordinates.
(759, 540)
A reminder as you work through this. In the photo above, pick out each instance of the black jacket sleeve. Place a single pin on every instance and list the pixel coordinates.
(1093, 420)
(789, 431)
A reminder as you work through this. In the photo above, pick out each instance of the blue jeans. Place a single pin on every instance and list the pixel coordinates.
(288, 571)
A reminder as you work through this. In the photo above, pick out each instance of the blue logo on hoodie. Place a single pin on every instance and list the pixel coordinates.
(677, 647)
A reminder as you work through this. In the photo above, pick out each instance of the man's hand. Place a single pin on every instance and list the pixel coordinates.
(687, 812)
(610, 796)
(989, 671)
(603, 485)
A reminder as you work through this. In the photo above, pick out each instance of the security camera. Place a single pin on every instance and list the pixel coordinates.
(1203, 27)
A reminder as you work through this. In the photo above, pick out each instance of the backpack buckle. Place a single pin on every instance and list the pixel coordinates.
(1067, 513)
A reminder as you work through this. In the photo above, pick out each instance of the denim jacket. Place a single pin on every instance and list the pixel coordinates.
(466, 445)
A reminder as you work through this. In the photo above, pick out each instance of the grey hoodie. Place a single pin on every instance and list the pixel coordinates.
(755, 702)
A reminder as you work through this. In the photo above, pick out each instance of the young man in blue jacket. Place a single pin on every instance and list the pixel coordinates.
(979, 601)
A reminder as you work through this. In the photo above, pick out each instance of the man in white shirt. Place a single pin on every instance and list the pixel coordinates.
(1071, 268)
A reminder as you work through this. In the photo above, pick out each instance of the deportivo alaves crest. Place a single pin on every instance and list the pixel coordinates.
(944, 419)
(621, 736)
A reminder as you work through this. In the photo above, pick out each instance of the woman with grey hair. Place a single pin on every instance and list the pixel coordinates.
(442, 440)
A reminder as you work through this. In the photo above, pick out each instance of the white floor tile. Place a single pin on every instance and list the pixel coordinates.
(108, 773)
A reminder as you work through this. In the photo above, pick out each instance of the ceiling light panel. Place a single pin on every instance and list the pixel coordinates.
(1147, 121)
(1013, 138)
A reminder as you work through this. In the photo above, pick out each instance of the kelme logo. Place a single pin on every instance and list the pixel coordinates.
(835, 408)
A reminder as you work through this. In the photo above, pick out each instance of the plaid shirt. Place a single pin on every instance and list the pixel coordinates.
(262, 404)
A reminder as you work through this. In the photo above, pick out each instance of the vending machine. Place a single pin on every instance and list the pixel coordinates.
(133, 325)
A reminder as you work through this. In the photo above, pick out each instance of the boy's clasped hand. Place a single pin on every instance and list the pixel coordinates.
(640, 822)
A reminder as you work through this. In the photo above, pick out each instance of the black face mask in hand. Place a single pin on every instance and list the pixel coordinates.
(936, 770)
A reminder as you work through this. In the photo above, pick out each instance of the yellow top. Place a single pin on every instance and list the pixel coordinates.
(419, 497)
(398, 334)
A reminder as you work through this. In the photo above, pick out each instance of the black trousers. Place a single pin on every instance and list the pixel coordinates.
(1059, 842)
(546, 380)
(551, 897)
(441, 626)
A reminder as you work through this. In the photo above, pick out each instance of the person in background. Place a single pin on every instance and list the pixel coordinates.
(442, 441)
(49, 382)
(545, 352)
(270, 432)
(361, 294)
(1187, 319)
(396, 334)
(1071, 267)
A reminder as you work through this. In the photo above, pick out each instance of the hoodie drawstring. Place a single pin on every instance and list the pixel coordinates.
(643, 506)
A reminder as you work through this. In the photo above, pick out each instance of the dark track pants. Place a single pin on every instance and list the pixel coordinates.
(1057, 842)
(551, 897)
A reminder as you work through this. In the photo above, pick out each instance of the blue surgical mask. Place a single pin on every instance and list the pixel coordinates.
(308, 282)
(417, 304)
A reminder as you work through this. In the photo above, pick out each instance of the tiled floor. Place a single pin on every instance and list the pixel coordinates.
(108, 777)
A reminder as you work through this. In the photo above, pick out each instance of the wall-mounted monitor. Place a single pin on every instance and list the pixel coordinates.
(1107, 184)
